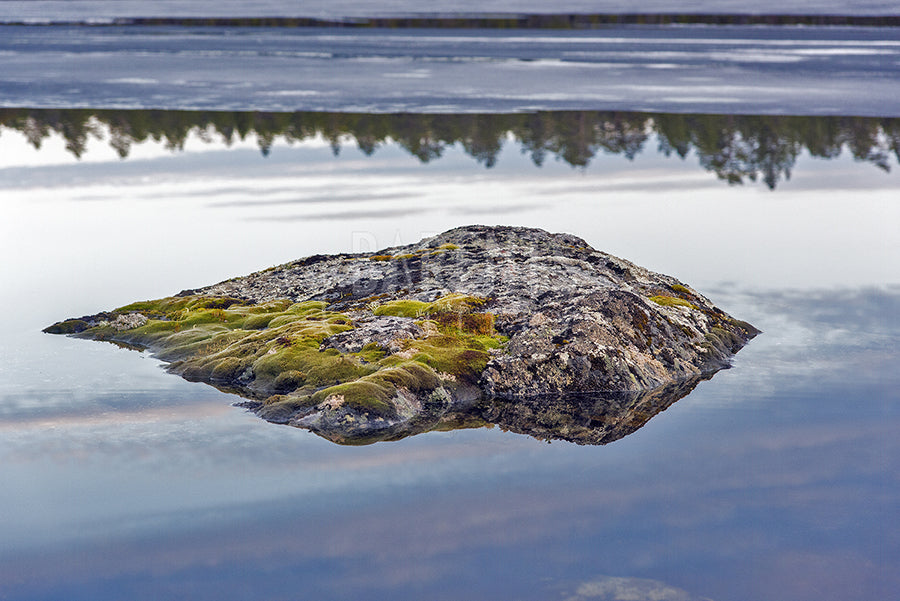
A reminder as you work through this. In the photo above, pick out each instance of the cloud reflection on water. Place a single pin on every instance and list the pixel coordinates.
(701, 486)
(349, 215)
(612, 588)
(382, 544)
(354, 197)
(775, 479)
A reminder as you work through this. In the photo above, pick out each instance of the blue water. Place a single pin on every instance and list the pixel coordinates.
(735, 69)
(103, 10)
(774, 480)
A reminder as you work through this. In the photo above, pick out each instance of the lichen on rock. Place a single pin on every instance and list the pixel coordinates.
(363, 347)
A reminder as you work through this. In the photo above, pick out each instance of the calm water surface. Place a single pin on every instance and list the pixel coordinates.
(100, 10)
(777, 479)
(733, 69)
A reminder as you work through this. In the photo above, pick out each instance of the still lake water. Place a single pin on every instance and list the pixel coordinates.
(42, 11)
(776, 479)
(731, 69)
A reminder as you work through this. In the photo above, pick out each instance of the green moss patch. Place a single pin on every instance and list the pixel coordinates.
(672, 301)
(273, 351)
(69, 326)
(454, 354)
(450, 304)
(456, 303)
(373, 393)
(371, 353)
(402, 308)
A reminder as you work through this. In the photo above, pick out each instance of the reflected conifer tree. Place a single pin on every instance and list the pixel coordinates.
(736, 148)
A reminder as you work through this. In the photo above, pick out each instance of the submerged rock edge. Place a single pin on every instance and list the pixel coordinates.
(350, 346)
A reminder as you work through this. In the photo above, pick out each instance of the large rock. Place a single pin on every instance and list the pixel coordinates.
(476, 323)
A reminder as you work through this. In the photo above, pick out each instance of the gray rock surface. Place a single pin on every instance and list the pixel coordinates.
(578, 319)
(387, 332)
(536, 332)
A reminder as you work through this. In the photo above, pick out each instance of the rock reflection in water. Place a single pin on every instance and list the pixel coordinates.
(592, 419)
(582, 418)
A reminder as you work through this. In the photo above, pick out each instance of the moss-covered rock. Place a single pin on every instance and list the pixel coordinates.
(276, 352)
(351, 346)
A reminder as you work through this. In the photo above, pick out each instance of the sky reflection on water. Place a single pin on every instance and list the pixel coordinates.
(742, 478)
(91, 10)
(774, 480)
(735, 69)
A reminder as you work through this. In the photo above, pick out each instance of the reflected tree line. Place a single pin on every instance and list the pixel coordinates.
(737, 148)
(522, 21)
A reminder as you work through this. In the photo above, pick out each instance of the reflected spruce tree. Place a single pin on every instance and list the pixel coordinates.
(736, 148)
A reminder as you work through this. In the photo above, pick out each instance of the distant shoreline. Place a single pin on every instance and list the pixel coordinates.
(575, 21)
